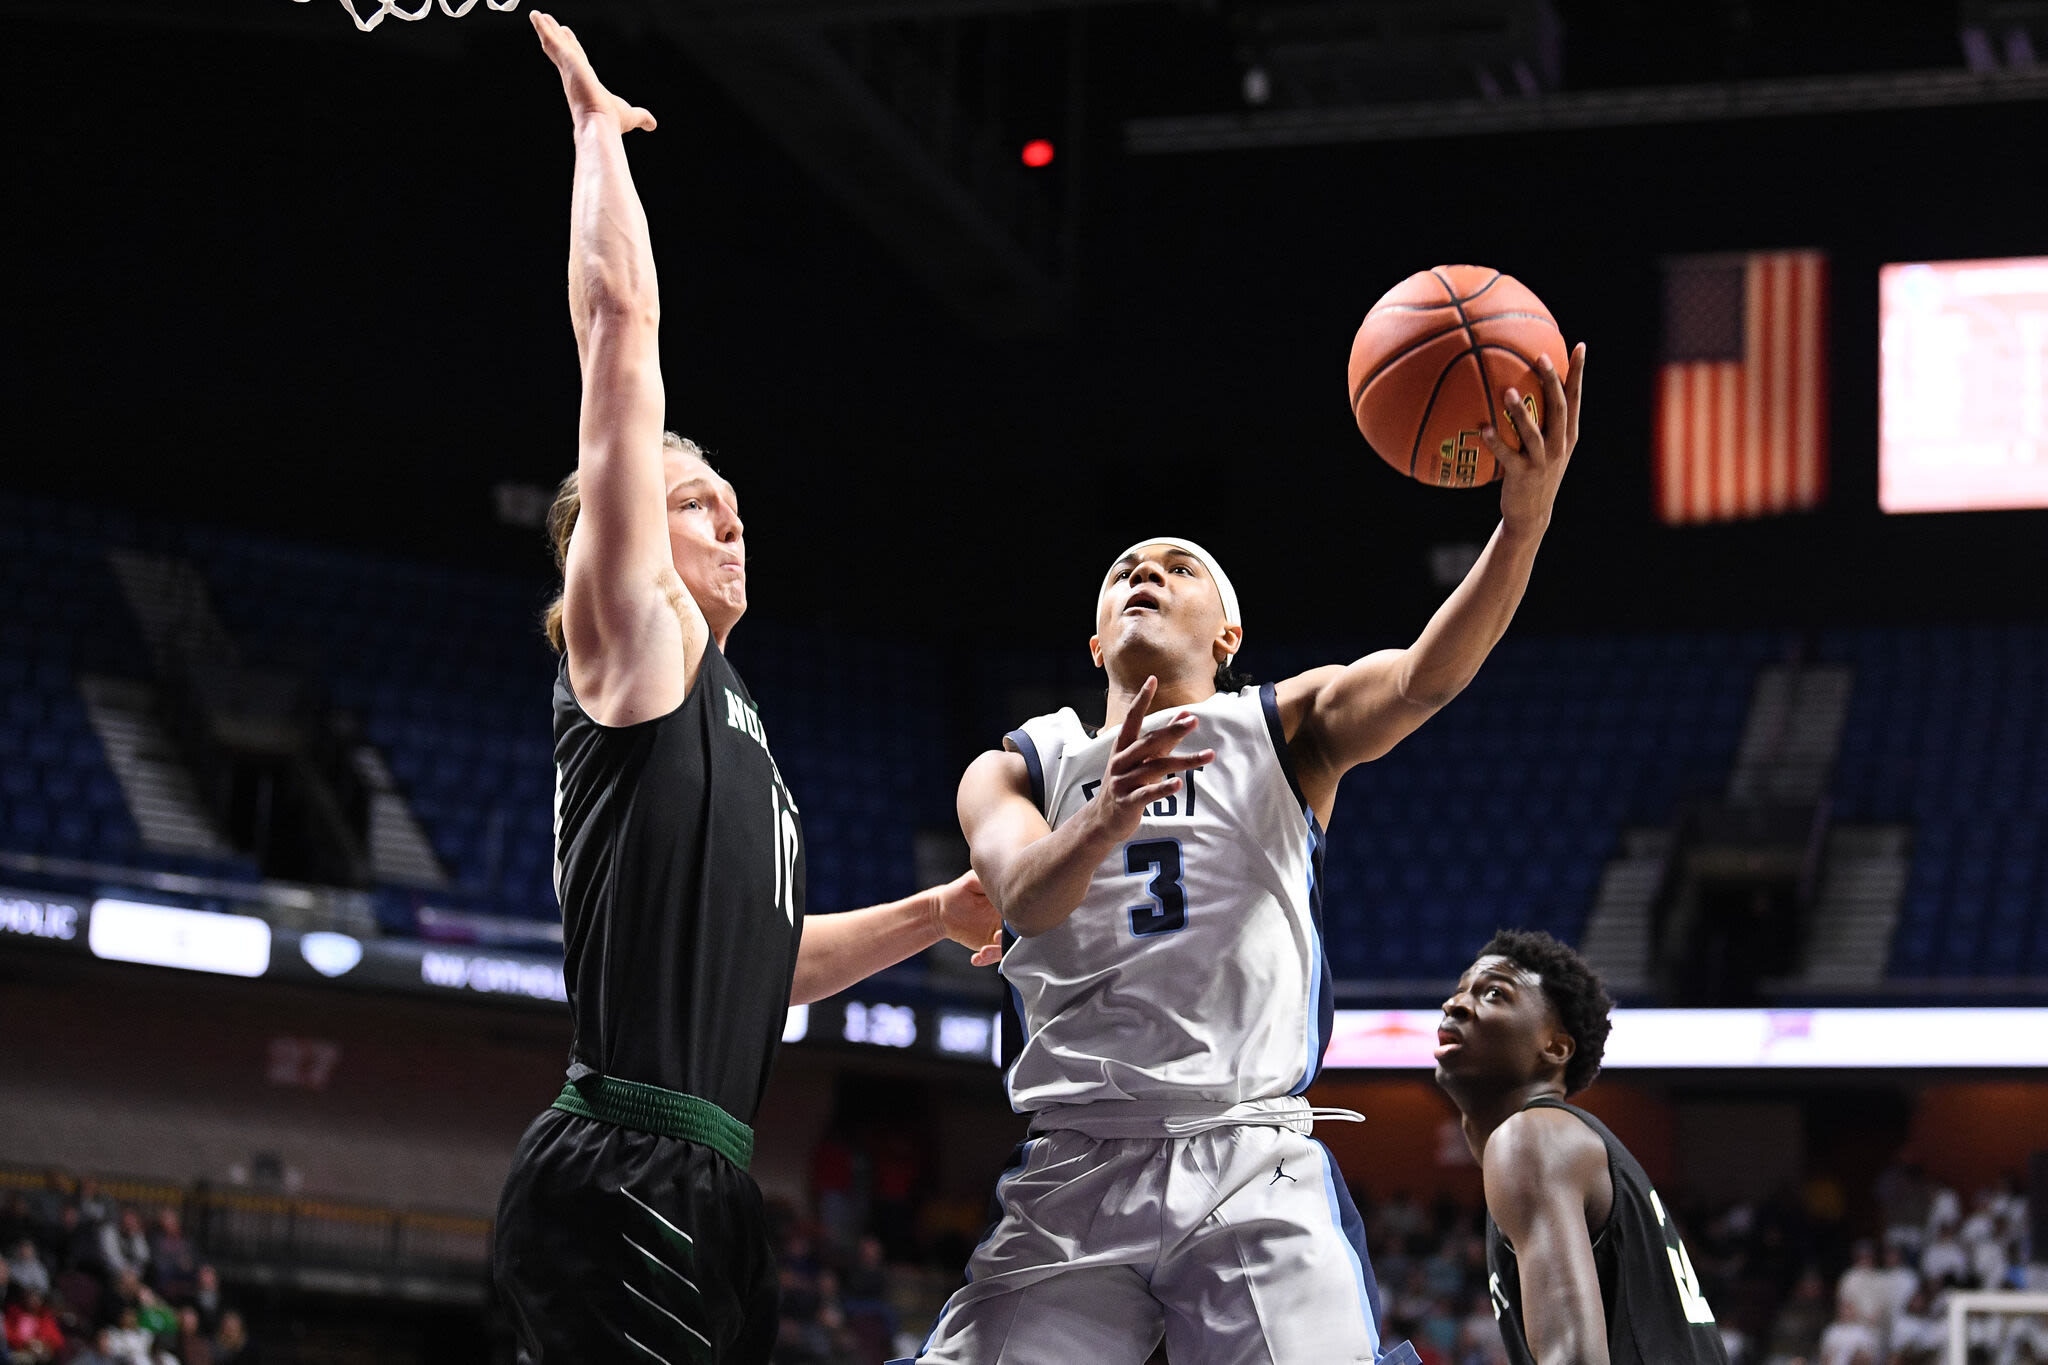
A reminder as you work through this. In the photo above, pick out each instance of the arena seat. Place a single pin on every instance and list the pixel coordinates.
(1503, 809)
(66, 617)
(451, 676)
(1948, 732)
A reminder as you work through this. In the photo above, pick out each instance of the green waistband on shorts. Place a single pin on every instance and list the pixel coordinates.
(651, 1109)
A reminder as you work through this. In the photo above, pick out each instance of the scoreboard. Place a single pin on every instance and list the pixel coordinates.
(1963, 385)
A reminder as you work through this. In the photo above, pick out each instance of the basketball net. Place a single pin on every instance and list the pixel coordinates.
(389, 9)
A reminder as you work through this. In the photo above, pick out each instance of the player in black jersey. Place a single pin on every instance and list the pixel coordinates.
(629, 1229)
(1586, 1267)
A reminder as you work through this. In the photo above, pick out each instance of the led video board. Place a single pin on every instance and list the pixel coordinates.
(185, 939)
(1963, 385)
(1740, 1039)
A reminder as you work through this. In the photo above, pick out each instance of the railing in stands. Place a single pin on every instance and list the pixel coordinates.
(260, 1237)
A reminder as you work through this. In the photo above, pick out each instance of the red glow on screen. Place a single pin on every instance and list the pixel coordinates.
(1963, 385)
(1037, 152)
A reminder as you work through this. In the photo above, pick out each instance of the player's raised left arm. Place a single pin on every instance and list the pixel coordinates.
(1543, 1170)
(1349, 715)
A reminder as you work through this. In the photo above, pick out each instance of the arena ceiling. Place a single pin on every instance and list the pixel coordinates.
(909, 112)
(290, 276)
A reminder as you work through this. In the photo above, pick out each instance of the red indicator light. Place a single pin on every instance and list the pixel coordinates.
(1037, 152)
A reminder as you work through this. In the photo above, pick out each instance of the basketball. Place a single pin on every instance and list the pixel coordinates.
(1431, 365)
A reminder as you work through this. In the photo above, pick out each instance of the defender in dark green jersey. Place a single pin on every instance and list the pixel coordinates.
(629, 1228)
(1585, 1265)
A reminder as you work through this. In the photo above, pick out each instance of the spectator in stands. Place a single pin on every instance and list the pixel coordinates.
(1795, 1335)
(155, 1316)
(1991, 1263)
(1982, 1332)
(865, 1295)
(1987, 1240)
(99, 1351)
(833, 1189)
(1479, 1340)
(1393, 1264)
(93, 1207)
(125, 1293)
(1401, 1216)
(1864, 1293)
(123, 1246)
(1919, 1334)
(1440, 1328)
(127, 1342)
(2011, 1197)
(1944, 1258)
(1849, 1340)
(1444, 1270)
(231, 1345)
(1944, 1211)
(1412, 1299)
(33, 1332)
(206, 1298)
(865, 1278)
(173, 1264)
(2026, 1340)
(799, 1292)
(193, 1346)
(1901, 1280)
(14, 1219)
(25, 1268)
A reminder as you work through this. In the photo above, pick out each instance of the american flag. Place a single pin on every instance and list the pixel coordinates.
(1742, 386)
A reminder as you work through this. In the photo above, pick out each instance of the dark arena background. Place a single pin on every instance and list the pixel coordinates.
(289, 384)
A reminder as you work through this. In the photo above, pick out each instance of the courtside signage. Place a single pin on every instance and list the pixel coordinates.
(1645, 1039)
(331, 954)
(190, 940)
(28, 914)
(244, 945)
(493, 974)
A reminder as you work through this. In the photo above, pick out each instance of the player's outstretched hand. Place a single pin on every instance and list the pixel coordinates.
(1142, 768)
(969, 918)
(587, 95)
(1530, 476)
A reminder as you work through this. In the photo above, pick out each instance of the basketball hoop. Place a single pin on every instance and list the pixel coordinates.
(389, 9)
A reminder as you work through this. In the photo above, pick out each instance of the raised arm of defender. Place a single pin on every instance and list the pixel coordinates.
(622, 599)
(1343, 715)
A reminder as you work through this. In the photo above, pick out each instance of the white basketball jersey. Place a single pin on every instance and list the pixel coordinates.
(1193, 969)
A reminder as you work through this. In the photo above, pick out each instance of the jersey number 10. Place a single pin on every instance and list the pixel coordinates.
(783, 832)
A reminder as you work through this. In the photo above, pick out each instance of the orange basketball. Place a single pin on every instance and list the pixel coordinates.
(1433, 361)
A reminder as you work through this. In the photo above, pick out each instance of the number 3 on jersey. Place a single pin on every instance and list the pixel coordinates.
(1159, 860)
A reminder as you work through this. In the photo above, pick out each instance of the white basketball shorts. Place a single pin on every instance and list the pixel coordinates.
(1239, 1245)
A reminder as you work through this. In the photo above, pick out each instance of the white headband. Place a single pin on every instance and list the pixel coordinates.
(1207, 560)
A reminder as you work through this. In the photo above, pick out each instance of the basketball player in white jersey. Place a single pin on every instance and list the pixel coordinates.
(1168, 964)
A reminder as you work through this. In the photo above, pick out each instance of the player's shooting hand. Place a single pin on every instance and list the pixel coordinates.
(586, 93)
(969, 918)
(1530, 476)
(1142, 768)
